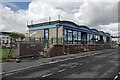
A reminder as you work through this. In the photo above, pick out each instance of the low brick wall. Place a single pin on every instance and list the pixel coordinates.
(26, 49)
(29, 49)
(75, 48)
(57, 50)
(33, 49)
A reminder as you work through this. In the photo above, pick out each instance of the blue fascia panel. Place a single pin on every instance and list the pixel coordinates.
(72, 26)
(43, 27)
(77, 29)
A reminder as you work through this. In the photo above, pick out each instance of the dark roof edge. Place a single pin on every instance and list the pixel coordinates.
(58, 21)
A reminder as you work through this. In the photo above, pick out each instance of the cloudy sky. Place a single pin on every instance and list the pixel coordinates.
(99, 15)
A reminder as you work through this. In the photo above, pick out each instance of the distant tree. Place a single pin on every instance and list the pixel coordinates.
(15, 36)
(115, 36)
(21, 36)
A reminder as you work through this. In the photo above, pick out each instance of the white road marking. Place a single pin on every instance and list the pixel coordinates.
(78, 57)
(46, 75)
(62, 60)
(85, 56)
(119, 72)
(66, 59)
(71, 58)
(53, 62)
(12, 71)
(88, 61)
(81, 64)
(115, 77)
(62, 70)
(2, 73)
(73, 66)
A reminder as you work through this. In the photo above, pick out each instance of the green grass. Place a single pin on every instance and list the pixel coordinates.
(4, 54)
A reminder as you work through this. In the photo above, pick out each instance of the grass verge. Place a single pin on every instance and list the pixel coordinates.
(4, 54)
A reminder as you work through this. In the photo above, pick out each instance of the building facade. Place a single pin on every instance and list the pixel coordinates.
(5, 39)
(68, 37)
(56, 31)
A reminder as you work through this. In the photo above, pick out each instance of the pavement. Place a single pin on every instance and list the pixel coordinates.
(93, 64)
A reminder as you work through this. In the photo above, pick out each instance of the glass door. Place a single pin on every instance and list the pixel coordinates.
(46, 37)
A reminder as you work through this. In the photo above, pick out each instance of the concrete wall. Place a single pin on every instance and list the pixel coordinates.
(60, 32)
(37, 33)
(52, 34)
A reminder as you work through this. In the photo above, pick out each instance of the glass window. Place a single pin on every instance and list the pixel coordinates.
(107, 39)
(98, 37)
(84, 37)
(46, 37)
(7, 37)
(7, 41)
(66, 36)
(74, 36)
(88, 38)
(92, 38)
(79, 37)
(104, 38)
(69, 36)
(3, 41)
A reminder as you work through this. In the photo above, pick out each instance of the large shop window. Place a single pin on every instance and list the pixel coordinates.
(74, 36)
(91, 38)
(83, 37)
(88, 38)
(104, 38)
(69, 36)
(79, 37)
(66, 36)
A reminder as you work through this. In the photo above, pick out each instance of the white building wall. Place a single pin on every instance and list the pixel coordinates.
(5, 40)
(37, 33)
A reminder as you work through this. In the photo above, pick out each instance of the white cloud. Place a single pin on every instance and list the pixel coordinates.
(98, 13)
(111, 28)
(93, 14)
(12, 21)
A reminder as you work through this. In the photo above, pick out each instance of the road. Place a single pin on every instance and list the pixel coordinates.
(97, 66)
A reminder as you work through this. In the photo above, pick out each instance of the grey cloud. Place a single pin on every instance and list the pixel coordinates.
(101, 13)
(93, 14)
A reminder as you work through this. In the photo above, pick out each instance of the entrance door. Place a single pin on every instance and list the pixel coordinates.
(101, 39)
(46, 37)
(83, 38)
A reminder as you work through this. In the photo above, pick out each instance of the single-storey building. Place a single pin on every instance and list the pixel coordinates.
(67, 33)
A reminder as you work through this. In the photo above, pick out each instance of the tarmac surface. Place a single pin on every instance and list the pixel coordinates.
(101, 64)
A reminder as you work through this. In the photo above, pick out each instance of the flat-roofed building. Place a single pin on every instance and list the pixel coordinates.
(66, 33)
